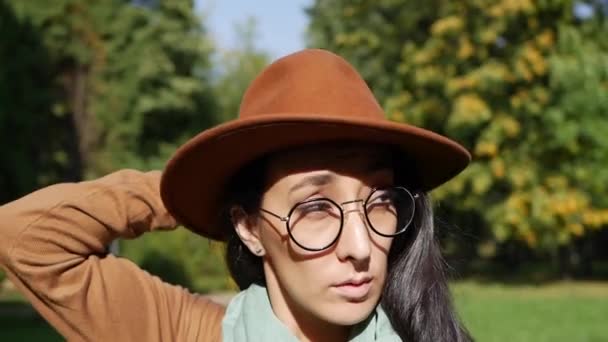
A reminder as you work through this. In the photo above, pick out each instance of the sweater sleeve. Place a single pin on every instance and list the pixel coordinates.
(53, 246)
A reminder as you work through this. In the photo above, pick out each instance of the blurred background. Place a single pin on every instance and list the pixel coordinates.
(89, 87)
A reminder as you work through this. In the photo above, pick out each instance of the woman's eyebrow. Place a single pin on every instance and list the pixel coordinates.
(316, 180)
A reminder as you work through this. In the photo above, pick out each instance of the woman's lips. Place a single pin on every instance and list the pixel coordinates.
(354, 291)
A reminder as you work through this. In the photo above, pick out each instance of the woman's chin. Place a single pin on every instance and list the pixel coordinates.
(350, 313)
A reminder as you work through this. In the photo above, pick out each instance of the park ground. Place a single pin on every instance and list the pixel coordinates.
(493, 312)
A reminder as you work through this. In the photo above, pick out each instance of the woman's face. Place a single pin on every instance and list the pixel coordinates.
(340, 285)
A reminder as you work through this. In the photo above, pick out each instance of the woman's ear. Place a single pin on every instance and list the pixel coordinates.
(246, 229)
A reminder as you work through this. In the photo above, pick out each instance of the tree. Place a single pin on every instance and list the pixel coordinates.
(195, 265)
(130, 78)
(88, 87)
(34, 138)
(521, 84)
(237, 67)
(155, 87)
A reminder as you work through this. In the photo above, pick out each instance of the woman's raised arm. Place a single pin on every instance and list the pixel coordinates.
(53, 245)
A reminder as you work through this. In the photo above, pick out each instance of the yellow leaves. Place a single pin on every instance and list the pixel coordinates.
(472, 104)
(532, 100)
(341, 39)
(397, 116)
(522, 70)
(484, 78)
(430, 106)
(481, 183)
(541, 95)
(513, 218)
(511, 7)
(574, 210)
(359, 37)
(488, 36)
(469, 109)
(428, 74)
(497, 10)
(451, 24)
(575, 229)
(509, 125)
(595, 218)
(401, 109)
(562, 212)
(486, 149)
(530, 238)
(564, 207)
(516, 216)
(458, 84)
(519, 176)
(519, 98)
(565, 202)
(545, 40)
(424, 56)
(556, 182)
(465, 48)
(396, 104)
(535, 59)
(497, 165)
(530, 63)
(558, 207)
(502, 127)
(517, 202)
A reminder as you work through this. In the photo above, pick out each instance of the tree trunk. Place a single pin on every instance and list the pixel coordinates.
(76, 83)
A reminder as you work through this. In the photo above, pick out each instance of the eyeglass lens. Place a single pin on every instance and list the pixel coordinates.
(316, 224)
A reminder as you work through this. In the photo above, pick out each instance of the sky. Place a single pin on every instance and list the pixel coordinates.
(281, 24)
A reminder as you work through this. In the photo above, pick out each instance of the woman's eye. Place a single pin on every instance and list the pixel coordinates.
(383, 197)
(315, 207)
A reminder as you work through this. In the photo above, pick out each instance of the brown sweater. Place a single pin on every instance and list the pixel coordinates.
(53, 243)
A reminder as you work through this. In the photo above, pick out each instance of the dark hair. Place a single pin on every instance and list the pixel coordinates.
(416, 296)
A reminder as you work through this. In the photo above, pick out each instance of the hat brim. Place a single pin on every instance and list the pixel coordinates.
(195, 177)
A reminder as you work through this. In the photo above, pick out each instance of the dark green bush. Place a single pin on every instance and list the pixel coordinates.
(182, 258)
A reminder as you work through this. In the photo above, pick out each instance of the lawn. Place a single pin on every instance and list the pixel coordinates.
(564, 311)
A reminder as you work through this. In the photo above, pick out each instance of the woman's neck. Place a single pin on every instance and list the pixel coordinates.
(304, 325)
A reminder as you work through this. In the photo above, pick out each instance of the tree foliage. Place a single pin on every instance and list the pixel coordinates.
(34, 140)
(128, 80)
(180, 259)
(155, 88)
(522, 84)
(236, 68)
(88, 87)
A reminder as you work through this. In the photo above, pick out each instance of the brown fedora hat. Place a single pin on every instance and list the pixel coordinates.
(307, 97)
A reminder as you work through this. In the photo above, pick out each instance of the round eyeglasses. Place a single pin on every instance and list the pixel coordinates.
(316, 224)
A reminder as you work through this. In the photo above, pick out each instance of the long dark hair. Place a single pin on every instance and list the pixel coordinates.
(416, 297)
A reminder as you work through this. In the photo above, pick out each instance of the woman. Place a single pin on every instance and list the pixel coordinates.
(323, 204)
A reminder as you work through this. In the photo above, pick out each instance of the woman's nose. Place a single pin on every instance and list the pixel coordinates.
(355, 240)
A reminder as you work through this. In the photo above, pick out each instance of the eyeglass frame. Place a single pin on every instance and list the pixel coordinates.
(340, 207)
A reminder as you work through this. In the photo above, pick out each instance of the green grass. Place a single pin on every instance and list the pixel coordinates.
(493, 312)
(554, 312)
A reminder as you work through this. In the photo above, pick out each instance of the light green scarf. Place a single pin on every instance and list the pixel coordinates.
(249, 318)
